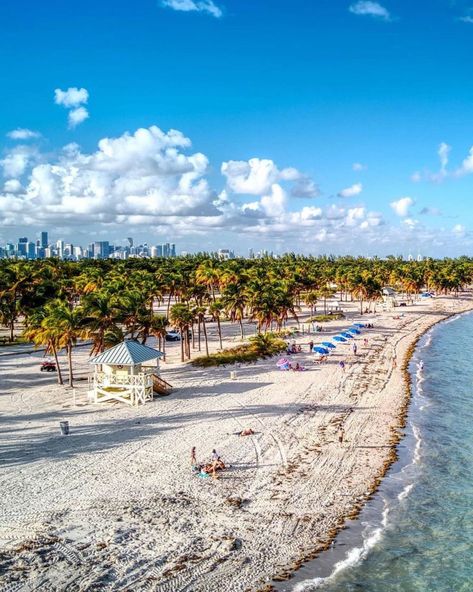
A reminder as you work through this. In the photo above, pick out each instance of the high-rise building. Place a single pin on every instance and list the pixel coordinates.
(101, 250)
(44, 239)
(154, 252)
(22, 247)
(173, 250)
(60, 249)
(30, 250)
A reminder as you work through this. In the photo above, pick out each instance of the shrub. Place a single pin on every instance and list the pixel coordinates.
(260, 346)
(335, 316)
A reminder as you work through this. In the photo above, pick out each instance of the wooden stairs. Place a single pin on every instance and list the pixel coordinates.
(160, 386)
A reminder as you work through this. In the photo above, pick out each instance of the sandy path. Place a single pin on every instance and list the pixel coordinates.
(114, 505)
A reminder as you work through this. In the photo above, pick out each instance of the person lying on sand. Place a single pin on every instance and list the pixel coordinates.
(247, 432)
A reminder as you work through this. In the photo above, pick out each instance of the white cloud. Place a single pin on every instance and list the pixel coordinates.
(374, 9)
(358, 167)
(256, 177)
(72, 97)
(77, 116)
(23, 134)
(401, 206)
(305, 187)
(351, 191)
(194, 6)
(466, 19)
(466, 166)
(459, 230)
(410, 223)
(12, 186)
(443, 152)
(142, 174)
(416, 177)
(17, 160)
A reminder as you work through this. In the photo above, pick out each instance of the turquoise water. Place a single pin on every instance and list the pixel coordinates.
(417, 534)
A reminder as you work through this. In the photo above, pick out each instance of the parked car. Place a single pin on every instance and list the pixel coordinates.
(48, 367)
(173, 336)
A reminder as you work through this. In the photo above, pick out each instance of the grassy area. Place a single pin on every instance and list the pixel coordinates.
(260, 346)
(335, 316)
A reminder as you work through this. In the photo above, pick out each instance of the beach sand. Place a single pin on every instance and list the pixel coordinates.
(115, 506)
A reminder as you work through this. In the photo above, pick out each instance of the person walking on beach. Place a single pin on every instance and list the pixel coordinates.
(365, 342)
(193, 457)
(215, 456)
(342, 365)
(355, 348)
(341, 434)
(311, 346)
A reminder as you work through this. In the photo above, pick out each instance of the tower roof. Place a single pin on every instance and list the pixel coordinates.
(127, 353)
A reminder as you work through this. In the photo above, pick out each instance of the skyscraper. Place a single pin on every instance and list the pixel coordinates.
(44, 239)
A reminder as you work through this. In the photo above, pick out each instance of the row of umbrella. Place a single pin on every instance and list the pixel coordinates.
(326, 346)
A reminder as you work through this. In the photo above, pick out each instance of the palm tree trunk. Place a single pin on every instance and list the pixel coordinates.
(12, 330)
(59, 373)
(241, 329)
(169, 304)
(219, 332)
(361, 306)
(188, 343)
(198, 333)
(182, 345)
(69, 361)
(205, 337)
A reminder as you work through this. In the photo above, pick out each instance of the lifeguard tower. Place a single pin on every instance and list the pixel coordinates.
(129, 373)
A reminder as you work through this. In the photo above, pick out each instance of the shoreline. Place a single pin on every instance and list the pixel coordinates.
(290, 491)
(393, 456)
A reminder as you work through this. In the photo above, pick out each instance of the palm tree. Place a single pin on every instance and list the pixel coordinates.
(235, 301)
(100, 317)
(215, 310)
(40, 334)
(311, 299)
(182, 318)
(158, 330)
(68, 321)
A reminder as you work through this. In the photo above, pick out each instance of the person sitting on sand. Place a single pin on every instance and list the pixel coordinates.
(299, 349)
(247, 432)
(311, 346)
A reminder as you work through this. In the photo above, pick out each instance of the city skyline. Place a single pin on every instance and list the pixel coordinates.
(358, 146)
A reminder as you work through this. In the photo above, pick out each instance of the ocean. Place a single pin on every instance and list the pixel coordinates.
(416, 534)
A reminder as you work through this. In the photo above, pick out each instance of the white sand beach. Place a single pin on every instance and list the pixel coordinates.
(115, 506)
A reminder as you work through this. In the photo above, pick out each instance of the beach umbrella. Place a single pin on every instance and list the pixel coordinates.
(354, 331)
(347, 335)
(328, 344)
(360, 325)
(282, 362)
(339, 338)
(320, 350)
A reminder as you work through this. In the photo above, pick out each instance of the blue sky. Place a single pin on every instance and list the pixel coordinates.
(292, 95)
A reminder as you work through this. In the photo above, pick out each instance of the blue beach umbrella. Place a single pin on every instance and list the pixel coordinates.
(320, 350)
(339, 338)
(347, 335)
(328, 344)
(354, 331)
(360, 325)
